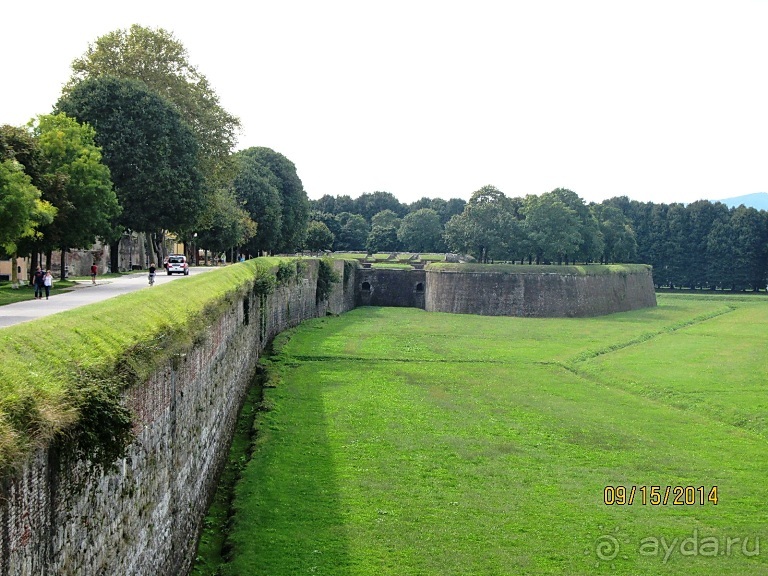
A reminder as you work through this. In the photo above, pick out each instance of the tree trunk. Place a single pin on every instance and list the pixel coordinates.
(149, 249)
(33, 265)
(160, 246)
(14, 272)
(114, 255)
(64, 263)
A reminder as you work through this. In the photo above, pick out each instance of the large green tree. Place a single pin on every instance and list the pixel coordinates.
(22, 212)
(382, 239)
(258, 189)
(151, 153)
(703, 215)
(18, 145)
(353, 232)
(552, 227)
(159, 60)
(79, 184)
(293, 199)
(590, 247)
(370, 203)
(386, 219)
(619, 240)
(319, 237)
(224, 224)
(750, 248)
(421, 231)
(488, 228)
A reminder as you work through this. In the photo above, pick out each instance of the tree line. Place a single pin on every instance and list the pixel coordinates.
(699, 245)
(138, 142)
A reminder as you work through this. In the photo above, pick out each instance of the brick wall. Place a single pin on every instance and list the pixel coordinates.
(143, 518)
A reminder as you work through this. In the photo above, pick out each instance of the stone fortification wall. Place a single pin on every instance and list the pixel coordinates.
(541, 294)
(391, 287)
(143, 517)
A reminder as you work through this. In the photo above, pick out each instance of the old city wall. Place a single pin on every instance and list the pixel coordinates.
(539, 294)
(391, 287)
(142, 517)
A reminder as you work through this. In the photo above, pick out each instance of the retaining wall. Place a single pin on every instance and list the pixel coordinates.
(142, 518)
(391, 287)
(539, 294)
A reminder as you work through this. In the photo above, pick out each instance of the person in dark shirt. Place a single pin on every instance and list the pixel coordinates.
(39, 281)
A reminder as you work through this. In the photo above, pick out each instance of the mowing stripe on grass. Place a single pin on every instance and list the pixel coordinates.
(470, 450)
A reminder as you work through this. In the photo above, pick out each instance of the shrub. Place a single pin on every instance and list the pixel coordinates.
(326, 278)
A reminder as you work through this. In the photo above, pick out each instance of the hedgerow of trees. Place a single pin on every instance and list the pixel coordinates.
(700, 245)
(139, 141)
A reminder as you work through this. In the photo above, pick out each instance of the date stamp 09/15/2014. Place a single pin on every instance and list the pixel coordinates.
(660, 495)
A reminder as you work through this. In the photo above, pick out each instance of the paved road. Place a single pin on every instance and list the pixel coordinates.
(85, 293)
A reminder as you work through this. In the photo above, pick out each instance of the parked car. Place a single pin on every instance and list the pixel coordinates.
(177, 263)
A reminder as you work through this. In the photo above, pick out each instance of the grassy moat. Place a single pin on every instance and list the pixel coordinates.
(395, 441)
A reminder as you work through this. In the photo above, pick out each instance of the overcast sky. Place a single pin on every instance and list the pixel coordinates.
(661, 100)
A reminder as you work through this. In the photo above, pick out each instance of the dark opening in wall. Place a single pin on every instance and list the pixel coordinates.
(366, 287)
(420, 287)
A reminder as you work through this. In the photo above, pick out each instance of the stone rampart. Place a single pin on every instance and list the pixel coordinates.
(391, 287)
(142, 518)
(516, 292)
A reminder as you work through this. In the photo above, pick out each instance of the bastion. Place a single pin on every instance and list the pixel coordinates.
(511, 290)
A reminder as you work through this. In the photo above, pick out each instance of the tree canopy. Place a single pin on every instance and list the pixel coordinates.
(22, 211)
(224, 224)
(487, 228)
(150, 151)
(421, 231)
(78, 184)
(319, 237)
(156, 58)
(261, 172)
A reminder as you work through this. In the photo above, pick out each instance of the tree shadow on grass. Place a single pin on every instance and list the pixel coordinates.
(288, 517)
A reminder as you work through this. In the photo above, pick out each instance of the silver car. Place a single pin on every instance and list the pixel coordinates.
(177, 263)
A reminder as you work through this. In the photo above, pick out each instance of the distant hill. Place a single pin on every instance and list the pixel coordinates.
(758, 200)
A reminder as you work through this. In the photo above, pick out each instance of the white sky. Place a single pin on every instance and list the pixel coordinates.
(661, 100)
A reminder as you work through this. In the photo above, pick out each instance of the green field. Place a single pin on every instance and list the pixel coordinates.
(400, 442)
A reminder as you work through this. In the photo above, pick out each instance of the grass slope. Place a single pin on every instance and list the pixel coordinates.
(49, 366)
(404, 442)
(560, 269)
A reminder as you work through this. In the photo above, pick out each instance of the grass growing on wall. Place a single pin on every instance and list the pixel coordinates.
(55, 369)
(405, 442)
(573, 270)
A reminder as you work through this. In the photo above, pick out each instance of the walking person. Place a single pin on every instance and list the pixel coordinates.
(152, 270)
(48, 283)
(38, 280)
(94, 270)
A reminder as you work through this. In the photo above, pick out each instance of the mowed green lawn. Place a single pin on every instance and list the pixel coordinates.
(401, 442)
